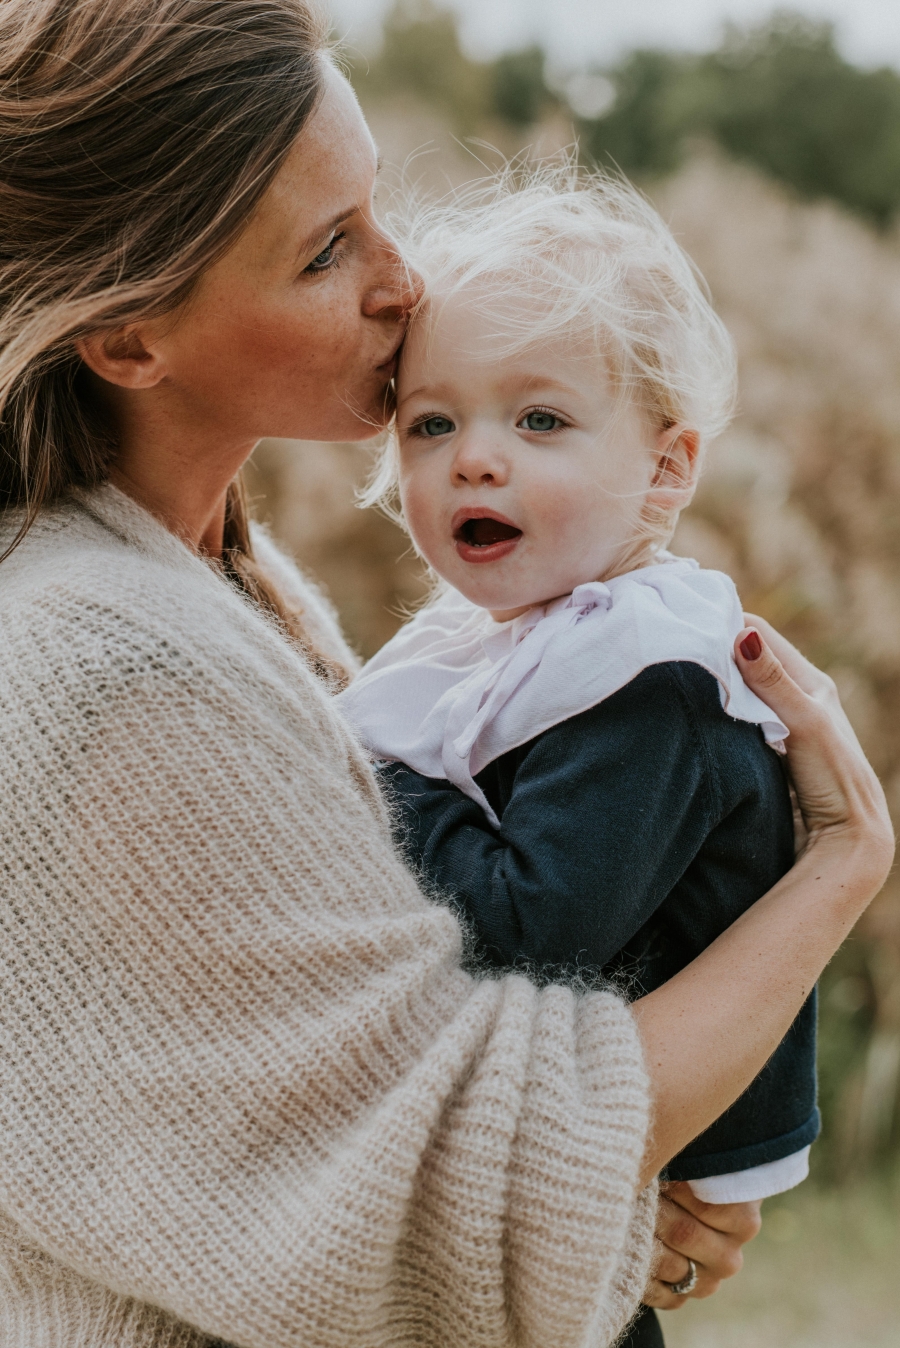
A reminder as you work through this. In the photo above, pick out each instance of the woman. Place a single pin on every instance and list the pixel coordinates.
(249, 1092)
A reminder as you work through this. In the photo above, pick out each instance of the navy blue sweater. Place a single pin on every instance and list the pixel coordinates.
(630, 837)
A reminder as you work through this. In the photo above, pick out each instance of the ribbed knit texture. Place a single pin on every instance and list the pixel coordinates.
(246, 1091)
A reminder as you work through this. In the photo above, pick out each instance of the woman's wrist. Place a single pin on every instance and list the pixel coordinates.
(854, 859)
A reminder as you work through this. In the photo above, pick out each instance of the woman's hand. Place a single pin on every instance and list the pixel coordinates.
(820, 686)
(839, 795)
(711, 1234)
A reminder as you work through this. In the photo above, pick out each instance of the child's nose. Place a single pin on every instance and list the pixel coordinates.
(479, 464)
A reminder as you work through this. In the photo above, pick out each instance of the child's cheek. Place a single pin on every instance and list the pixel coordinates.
(420, 510)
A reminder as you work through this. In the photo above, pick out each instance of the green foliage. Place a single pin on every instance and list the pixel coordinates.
(645, 129)
(846, 1022)
(519, 94)
(421, 55)
(791, 104)
(780, 96)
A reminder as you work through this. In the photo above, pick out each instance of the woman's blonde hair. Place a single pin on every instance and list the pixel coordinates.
(601, 265)
(137, 137)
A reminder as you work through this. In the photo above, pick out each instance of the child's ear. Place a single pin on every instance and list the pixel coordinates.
(677, 462)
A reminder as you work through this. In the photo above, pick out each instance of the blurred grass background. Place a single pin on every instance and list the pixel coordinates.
(777, 163)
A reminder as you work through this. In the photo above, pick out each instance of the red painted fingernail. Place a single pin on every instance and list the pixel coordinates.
(751, 646)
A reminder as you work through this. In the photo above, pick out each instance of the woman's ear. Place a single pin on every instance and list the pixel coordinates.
(677, 463)
(121, 357)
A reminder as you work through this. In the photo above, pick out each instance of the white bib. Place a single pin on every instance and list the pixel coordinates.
(453, 690)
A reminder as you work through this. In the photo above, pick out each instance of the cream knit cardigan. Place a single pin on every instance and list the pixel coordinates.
(247, 1092)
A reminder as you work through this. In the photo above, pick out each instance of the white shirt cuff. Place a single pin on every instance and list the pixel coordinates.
(760, 1181)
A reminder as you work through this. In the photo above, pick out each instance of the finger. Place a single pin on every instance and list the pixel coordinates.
(671, 1266)
(765, 674)
(815, 682)
(714, 1252)
(838, 791)
(741, 1220)
(660, 1296)
(796, 664)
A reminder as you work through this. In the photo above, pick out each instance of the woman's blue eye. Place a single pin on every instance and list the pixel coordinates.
(436, 426)
(540, 421)
(326, 258)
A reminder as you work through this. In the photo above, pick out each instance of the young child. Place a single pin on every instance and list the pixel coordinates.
(575, 758)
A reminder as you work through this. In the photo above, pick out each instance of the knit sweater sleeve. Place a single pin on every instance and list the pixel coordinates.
(245, 1082)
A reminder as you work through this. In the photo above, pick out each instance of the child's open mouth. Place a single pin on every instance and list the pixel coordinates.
(482, 537)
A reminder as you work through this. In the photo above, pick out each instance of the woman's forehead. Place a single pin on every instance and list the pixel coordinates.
(328, 174)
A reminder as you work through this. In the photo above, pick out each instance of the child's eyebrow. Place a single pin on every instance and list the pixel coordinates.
(531, 382)
(440, 391)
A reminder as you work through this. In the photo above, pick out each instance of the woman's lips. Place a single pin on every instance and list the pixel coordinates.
(483, 536)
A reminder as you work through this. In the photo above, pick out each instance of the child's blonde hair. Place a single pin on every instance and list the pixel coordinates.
(601, 263)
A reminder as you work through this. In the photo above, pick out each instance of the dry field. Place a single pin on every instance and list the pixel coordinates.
(822, 1274)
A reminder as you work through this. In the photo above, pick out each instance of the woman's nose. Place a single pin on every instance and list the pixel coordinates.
(398, 289)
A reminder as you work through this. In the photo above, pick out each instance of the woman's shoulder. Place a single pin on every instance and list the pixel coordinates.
(108, 620)
(99, 585)
(77, 536)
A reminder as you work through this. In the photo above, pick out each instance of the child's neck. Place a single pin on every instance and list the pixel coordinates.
(506, 615)
(631, 563)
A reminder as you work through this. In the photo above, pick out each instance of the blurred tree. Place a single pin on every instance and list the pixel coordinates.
(421, 55)
(780, 96)
(788, 102)
(519, 92)
(645, 130)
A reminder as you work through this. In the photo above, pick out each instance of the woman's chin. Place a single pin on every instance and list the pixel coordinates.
(344, 429)
(372, 418)
(367, 430)
(341, 418)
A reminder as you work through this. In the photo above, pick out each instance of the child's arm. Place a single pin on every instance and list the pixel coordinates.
(604, 814)
(602, 817)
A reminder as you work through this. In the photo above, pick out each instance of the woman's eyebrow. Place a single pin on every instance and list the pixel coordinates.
(322, 231)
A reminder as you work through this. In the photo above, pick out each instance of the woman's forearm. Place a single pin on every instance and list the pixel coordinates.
(711, 1029)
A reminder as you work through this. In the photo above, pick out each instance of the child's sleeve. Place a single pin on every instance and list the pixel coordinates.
(756, 1182)
(630, 837)
(603, 815)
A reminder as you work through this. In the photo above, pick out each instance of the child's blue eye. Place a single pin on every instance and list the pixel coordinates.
(436, 426)
(540, 421)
